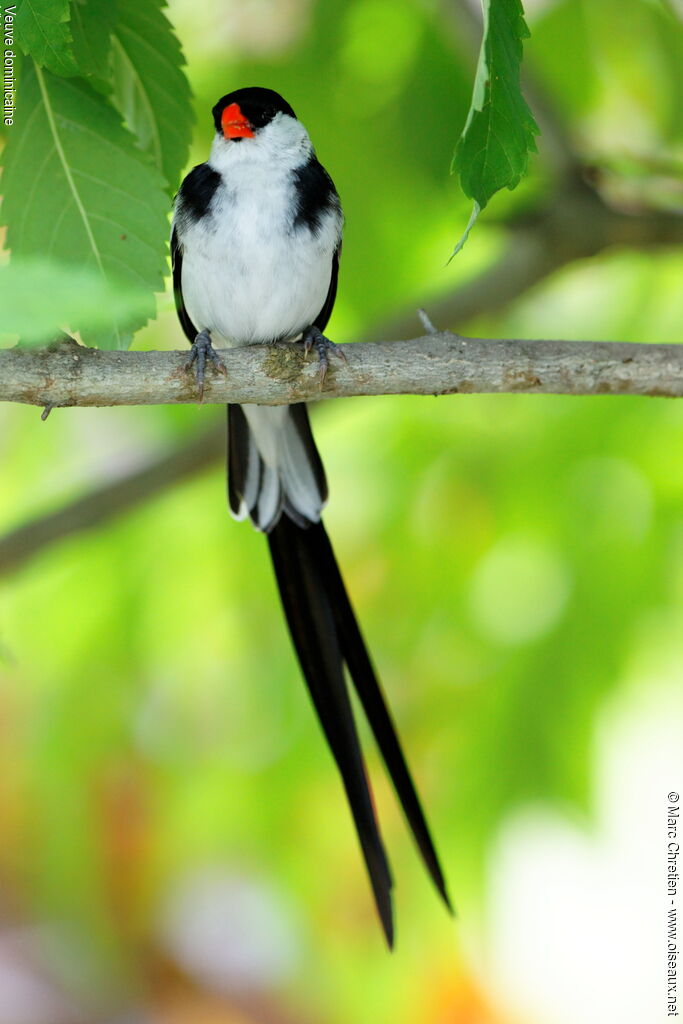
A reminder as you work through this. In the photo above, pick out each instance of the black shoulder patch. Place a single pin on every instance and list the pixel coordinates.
(315, 193)
(197, 190)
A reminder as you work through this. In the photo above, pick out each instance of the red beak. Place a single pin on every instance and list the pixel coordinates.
(235, 125)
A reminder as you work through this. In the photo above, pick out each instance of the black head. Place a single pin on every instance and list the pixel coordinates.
(241, 113)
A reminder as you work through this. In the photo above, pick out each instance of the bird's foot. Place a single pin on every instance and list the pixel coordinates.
(314, 338)
(201, 350)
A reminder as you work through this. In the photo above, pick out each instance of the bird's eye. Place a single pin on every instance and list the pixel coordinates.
(270, 112)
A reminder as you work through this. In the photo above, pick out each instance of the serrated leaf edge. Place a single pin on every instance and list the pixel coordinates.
(62, 21)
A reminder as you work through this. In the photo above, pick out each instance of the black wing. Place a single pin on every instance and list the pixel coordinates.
(193, 202)
(177, 266)
(326, 312)
(316, 196)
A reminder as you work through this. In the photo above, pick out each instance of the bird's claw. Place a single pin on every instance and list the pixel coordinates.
(313, 337)
(202, 349)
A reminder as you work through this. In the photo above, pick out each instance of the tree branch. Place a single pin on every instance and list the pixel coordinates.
(436, 364)
(574, 223)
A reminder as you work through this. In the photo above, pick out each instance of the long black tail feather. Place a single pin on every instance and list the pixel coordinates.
(312, 624)
(325, 634)
(372, 699)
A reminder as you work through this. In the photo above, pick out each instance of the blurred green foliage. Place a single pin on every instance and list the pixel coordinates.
(514, 560)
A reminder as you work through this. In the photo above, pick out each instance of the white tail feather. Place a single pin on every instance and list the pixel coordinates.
(283, 475)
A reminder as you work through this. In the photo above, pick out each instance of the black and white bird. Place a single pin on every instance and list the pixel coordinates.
(255, 247)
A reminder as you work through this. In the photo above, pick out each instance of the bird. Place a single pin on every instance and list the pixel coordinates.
(256, 240)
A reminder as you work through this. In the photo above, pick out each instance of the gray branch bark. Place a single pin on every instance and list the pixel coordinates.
(436, 364)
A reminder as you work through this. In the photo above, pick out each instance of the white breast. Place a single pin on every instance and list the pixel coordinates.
(248, 274)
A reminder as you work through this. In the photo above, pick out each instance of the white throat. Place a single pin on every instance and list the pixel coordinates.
(282, 144)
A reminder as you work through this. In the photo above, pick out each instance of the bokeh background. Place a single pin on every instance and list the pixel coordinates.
(174, 842)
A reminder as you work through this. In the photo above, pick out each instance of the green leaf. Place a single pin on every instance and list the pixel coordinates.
(38, 297)
(77, 191)
(92, 22)
(150, 87)
(42, 30)
(493, 150)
